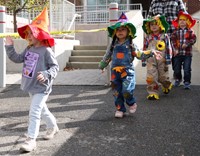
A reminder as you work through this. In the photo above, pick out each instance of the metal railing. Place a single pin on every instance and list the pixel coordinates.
(100, 13)
(61, 14)
(64, 14)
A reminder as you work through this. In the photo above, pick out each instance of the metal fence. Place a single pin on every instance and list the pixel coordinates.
(63, 14)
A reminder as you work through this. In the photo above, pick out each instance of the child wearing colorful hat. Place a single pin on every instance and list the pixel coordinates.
(183, 38)
(121, 54)
(157, 70)
(40, 68)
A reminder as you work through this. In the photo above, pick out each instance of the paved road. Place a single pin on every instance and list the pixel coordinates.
(85, 115)
(84, 110)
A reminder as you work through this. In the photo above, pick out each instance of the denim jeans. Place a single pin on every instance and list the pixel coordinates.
(123, 89)
(38, 110)
(185, 62)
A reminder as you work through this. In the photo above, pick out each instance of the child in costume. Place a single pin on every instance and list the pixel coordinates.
(157, 70)
(40, 68)
(121, 54)
(182, 40)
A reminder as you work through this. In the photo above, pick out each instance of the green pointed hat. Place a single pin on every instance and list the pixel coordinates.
(122, 21)
(161, 21)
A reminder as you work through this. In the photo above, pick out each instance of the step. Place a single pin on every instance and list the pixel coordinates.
(86, 47)
(88, 52)
(84, 65)
(85, 58)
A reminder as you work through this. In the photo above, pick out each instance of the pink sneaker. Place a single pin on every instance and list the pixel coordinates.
(119, 114)
(133, 108)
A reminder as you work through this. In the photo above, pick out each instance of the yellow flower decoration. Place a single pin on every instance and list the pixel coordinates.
(160, 45)
(159, 23)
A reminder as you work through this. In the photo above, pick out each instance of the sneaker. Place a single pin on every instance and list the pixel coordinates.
(133, 108)
(29, 145)
(186, 85)
(119, 114)
(177, 83)
(50, 133)
(153, 97)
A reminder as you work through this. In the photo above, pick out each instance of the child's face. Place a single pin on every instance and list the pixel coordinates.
(182, 22)
(122, 33)
(30, 38)
(154, 27)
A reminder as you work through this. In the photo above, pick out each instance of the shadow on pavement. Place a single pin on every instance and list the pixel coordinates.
(169, 126)
(85, 114)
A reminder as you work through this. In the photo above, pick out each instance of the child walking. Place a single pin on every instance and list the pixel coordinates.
(121, 54)
(157, 70)
(40, 68)
(183, 38)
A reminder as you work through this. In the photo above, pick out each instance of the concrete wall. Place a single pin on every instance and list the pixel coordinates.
(63, 47)
(101, 37)
(92, 38)
(136, 18)
(62, 51)
(196, 29)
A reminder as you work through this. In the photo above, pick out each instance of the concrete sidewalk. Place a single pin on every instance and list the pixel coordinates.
(96, 77)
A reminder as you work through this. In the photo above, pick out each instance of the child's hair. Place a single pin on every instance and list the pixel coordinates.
(186, 19)
(43, 42)
(157, 22)
(114, 39)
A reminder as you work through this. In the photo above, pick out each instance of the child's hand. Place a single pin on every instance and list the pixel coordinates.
(9, 41)
(102, 70)
(102, 64)
(41, 77)
(184, 46)
(157, 54)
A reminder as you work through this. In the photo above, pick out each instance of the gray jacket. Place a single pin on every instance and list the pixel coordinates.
(35, 59)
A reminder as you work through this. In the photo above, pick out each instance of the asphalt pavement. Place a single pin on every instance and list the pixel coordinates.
(84, 107)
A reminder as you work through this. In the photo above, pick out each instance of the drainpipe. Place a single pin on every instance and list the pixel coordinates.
(2, 50)
(113, 18)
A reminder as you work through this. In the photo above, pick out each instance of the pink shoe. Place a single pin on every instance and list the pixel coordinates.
(133, 108)
(119, 114)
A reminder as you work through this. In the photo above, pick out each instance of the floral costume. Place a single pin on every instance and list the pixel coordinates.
(121, 56)
(157, 70)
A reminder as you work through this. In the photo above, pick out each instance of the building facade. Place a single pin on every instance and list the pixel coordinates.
(192, 6)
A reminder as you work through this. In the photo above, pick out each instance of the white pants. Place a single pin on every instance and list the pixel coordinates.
(38, 111)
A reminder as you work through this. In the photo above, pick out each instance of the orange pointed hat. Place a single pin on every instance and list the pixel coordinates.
(39, 28)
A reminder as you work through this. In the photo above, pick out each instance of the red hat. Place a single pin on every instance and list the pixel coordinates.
(190, 21)
(39, 28)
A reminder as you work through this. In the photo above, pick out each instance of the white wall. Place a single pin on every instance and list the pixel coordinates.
(136, 18)
(196, 29)
(62, 51)
(101, 37)
(9, 23)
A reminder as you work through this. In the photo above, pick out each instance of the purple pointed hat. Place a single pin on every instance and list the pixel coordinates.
(123, 18)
